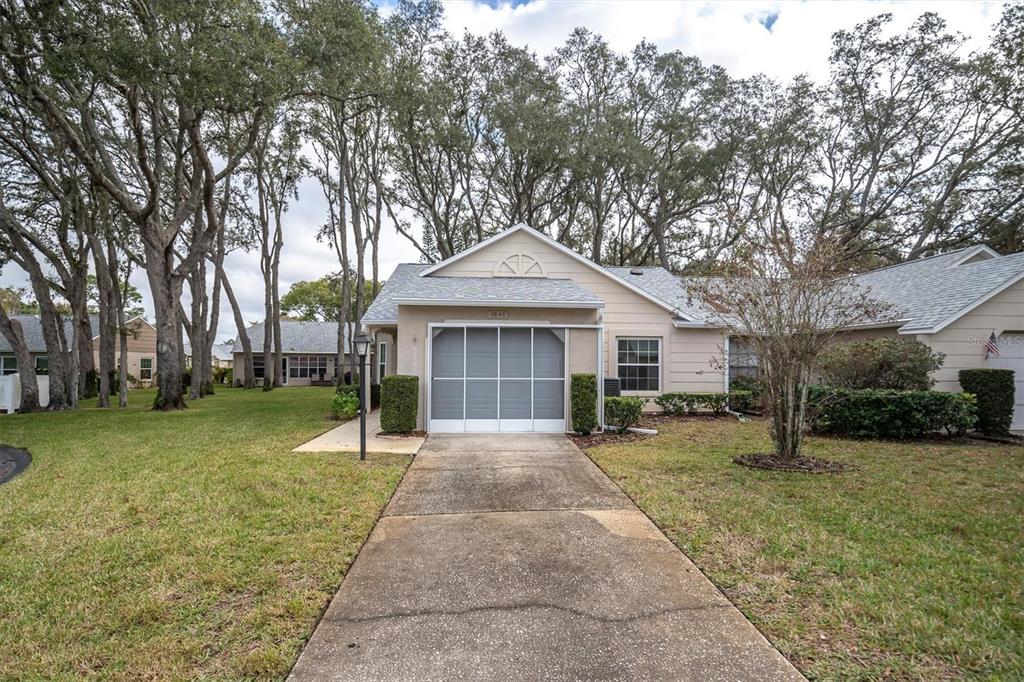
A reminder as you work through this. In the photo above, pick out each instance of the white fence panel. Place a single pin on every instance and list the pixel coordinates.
(10, 391)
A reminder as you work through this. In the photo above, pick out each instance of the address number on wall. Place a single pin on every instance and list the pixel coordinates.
(497, 315)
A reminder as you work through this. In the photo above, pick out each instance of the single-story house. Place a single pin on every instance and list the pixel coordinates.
(222, 355)
(494, 332)
(141, 347)
(310, 353)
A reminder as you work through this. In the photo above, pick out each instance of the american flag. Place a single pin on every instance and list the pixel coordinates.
(991, 348)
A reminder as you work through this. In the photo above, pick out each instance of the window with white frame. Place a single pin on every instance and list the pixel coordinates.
(42, 365)
(145, 369)
(382, 360)
(307, 366)
(639, 364)
(8, 365)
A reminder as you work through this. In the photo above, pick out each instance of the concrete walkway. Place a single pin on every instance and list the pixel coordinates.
(515, 557)
(345, 438)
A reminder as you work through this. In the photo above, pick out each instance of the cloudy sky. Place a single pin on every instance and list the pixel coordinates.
(780, 39)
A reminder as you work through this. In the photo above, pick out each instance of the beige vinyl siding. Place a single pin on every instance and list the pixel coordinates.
(696, 361)
(413, 328)
(963, 341)
(686, 353)
(386, 336)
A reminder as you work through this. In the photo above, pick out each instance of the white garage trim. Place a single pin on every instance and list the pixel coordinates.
(504, 425)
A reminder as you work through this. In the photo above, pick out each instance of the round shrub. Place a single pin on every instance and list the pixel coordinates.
(994, 389)
(345, 404)
(622, 412)
(889, 362)
(583, 402)
(399, 403)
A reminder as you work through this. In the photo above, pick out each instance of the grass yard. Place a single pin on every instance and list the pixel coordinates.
(144, 545)
(910, 566)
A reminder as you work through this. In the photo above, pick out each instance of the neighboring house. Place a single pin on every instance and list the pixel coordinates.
(222, 355)
(955, 302)
(310, 352)
(141, 347)
(495, 332)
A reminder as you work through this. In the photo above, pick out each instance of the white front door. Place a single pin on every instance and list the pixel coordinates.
(1011, 356)
(491, 379)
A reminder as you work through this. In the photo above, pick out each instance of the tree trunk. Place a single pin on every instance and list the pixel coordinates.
(243, 335)
(275, 293)
(166, 290)
(11, 330)
(83, 342)
(211, 335)
(270, 376)
(198, 329)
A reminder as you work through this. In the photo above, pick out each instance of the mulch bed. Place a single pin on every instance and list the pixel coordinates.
(1012, 439)
(12, 462)
(399, 436)
(808, 465)
(607, 438)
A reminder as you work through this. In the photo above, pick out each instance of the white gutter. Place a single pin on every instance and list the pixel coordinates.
(476, 303)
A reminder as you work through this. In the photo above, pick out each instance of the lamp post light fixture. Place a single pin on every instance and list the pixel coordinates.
(362, 348)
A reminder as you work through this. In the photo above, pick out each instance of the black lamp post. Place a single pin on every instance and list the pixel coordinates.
(362, 348)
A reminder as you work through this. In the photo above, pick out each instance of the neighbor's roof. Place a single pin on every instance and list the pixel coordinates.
(222, 351)
(929, 293)
(32, 328)
(299, 337)
(405, 287)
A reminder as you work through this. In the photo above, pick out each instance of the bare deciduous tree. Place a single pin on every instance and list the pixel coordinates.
(788, 304)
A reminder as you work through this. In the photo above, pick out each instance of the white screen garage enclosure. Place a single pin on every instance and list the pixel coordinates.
(489, 379)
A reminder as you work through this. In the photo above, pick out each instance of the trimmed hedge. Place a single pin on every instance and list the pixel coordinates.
(748, 384)
(742, 401)
(994, 390)
(889, 413)
(399, 403)
(622, 412)
(690, 403)
(583, 401)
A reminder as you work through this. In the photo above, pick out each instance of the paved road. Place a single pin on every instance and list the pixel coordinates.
(515, 557)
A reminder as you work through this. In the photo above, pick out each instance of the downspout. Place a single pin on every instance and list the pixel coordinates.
(600, 372)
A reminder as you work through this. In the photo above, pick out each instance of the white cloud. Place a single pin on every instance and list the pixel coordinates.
(731, 34)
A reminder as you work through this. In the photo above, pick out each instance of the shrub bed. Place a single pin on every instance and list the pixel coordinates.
(583, 402)
(399, 403)
(888, 362)
(994, 390)
(690, 403)
(622, 412)
(345, 404)
(889, 413)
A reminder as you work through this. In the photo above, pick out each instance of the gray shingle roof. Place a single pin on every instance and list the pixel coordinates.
(924, 293)
(222, 351)
(32, 328)
(299, 337)
(406, 285)
(663, 285)
(929, 291)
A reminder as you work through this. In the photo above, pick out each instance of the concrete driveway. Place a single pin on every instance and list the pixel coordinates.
(515, 557)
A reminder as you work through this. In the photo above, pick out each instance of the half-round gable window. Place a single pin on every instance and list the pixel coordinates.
(519, 265)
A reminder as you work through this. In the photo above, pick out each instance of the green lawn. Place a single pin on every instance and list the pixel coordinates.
(910, 566)
(143, 545)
